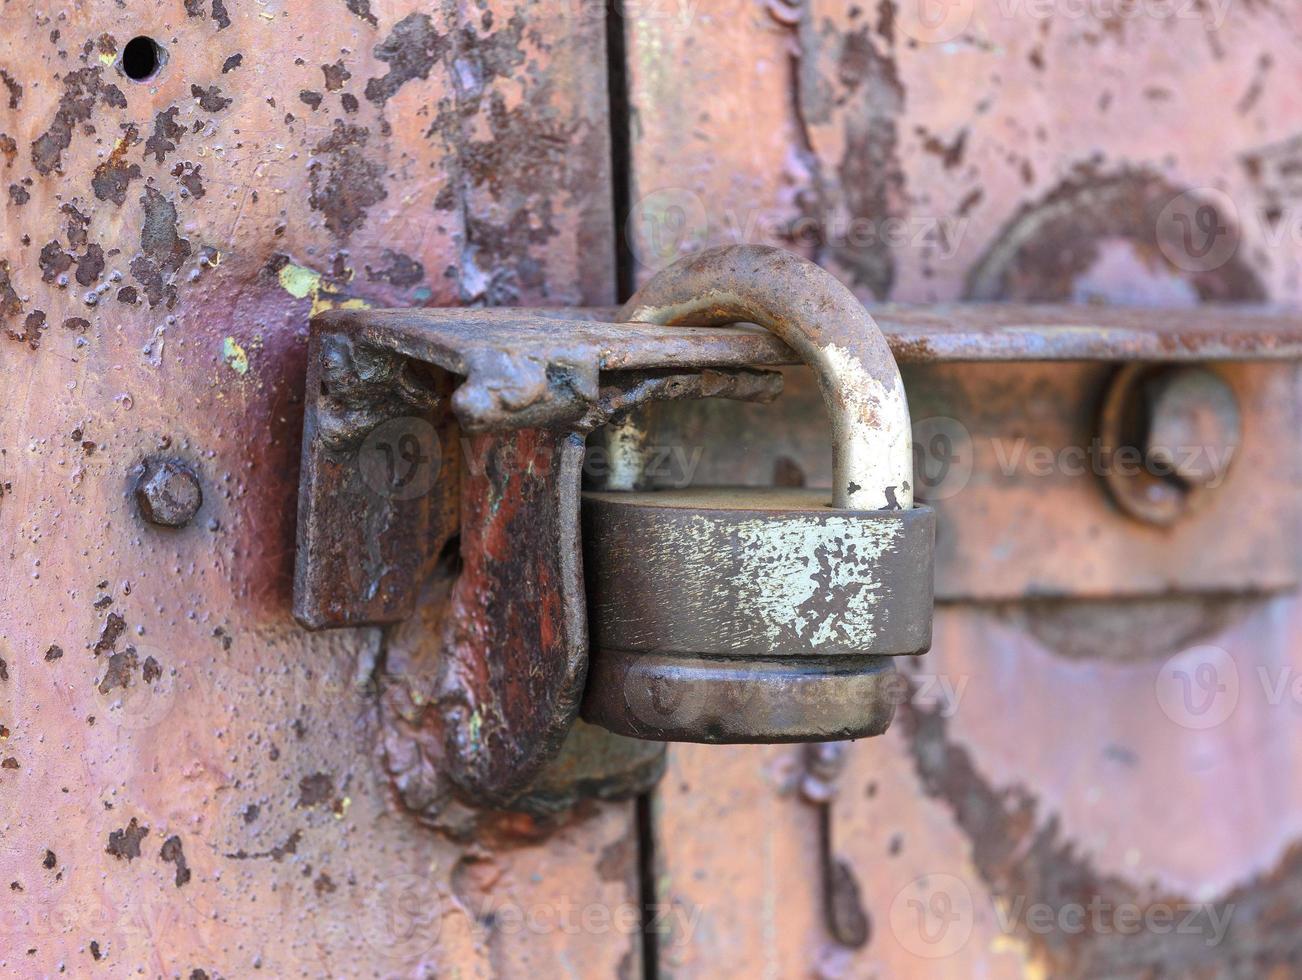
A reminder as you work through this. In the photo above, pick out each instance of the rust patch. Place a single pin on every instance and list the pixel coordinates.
(80, 90)
(411, 50)
(54, 261)
(362, 8)
(33, 327)
(166, 132)
(188, 175)
(846, 918)
(10, 304)
(210, 99)
(114, 627)
(399, 270)
(14, 87)
(314, 790)
(231, 63)
(949, 154)
(173, 853)
(310, 99)
(220, 15)
(125, 843)
(162, 250)
(277, 853)
(335, 76)
(118, 673)
(90, 264)
(348, 184)
(114, 175)
(53, 653)
(112, 96)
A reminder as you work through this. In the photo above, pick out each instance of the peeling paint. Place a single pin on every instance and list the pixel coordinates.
(235, 356)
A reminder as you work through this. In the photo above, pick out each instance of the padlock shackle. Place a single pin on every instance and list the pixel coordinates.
(823, 322)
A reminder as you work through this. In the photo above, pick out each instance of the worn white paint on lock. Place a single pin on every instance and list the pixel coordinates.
(876, 454)
(799, 566)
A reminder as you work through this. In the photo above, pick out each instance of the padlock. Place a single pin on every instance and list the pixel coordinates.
(765, 615)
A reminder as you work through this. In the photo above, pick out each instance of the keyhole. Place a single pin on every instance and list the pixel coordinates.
(141, 58)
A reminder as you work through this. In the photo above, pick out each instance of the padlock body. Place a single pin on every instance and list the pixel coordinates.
(739, 615)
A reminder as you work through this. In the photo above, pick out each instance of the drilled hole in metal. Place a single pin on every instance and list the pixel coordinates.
(141, 58)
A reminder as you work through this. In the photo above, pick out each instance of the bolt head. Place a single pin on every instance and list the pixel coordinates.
(1193, 420)
(168, 493)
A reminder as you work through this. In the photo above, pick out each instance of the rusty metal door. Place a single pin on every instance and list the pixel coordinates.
(193, 785)
(1092, 786)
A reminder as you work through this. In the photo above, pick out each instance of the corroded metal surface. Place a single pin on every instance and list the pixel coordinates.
(739, 700)
(1025, 156)
(190, 783)
(731, 615)
(1185, 423)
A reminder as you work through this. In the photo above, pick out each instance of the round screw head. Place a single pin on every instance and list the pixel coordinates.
(1194, 424)
(168, 493)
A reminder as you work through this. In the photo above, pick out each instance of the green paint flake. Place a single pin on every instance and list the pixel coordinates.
(298, 281)
(476, 724)
(235, 356)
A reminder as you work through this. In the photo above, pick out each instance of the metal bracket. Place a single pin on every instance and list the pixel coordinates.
(448, 445)
(400, 461)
